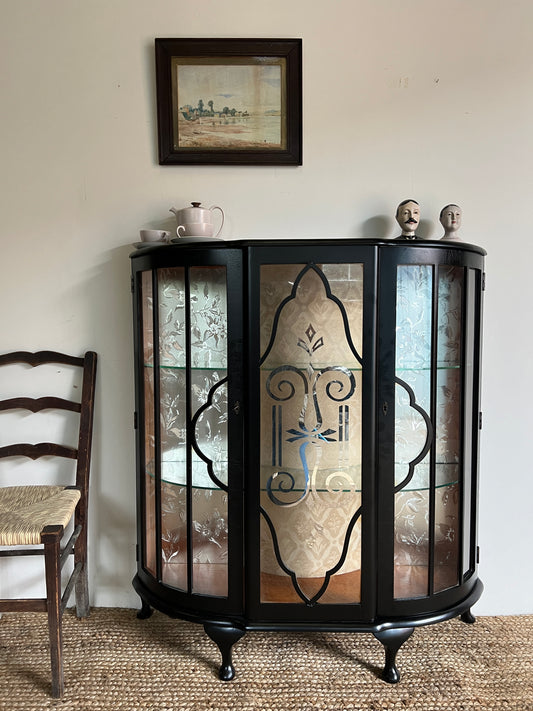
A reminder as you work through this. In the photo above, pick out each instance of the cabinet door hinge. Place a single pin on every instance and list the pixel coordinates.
(477, 554)
(137, 552)
(480, 420)
(132, 284)
(483, 280)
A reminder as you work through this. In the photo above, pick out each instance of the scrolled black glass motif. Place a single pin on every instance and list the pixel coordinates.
(209, 403)
(329, 295)
(429, 434)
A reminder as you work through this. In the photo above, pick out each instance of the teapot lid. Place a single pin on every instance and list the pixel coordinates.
(196, 204)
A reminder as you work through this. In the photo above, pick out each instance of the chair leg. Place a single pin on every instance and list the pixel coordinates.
(82, 593)
(82, 582)
(51, 538)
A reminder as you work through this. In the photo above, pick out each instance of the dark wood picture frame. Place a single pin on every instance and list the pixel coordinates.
(260, 80)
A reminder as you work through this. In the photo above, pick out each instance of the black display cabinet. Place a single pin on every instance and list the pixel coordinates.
(307, 426)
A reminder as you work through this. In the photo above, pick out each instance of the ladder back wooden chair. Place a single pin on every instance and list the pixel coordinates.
(34, 518)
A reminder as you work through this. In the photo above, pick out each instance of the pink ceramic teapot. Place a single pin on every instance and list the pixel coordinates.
(197, 221)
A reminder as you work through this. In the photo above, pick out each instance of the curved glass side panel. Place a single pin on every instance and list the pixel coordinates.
(311, 335)
(448, 426)
(428, 429)
(186, 477)
(171, 377)
(209, 440)
(413, 430)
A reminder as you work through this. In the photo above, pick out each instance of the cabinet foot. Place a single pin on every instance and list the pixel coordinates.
(392, 640)
(145, 612)
(224, 637)
(468, 617)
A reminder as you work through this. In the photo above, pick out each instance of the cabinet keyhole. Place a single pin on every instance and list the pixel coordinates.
(385, 407)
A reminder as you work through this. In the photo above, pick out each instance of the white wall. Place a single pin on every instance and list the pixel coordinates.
(432, 100)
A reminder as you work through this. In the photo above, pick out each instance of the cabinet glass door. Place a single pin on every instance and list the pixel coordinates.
(311, 332)
(434, 421)
(185, 415)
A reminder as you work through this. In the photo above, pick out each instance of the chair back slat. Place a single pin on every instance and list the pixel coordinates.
(40, 404)
(35, 451)
(40, 358)
(84, 407)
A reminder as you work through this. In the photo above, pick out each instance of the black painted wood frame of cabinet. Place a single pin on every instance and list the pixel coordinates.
(389, 618)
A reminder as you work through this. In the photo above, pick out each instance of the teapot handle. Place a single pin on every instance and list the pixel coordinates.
(216, 207)
(178, 228)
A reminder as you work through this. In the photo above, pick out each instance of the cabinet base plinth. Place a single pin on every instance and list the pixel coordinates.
(225, 632)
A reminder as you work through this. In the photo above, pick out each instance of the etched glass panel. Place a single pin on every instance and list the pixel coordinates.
(448, 425)
(193, 428)
(171, 293)
(209, 404)
(174, 534)
(411, 525)
(209, 340)
(173, 424)
(311, 335)
(428, 429)
(412, 427)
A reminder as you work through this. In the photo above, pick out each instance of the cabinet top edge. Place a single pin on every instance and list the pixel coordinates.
(337, 241)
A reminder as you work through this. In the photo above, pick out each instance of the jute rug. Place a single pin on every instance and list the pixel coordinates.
(115, 661)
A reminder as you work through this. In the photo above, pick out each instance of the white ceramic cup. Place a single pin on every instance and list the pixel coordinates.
(195, 229)
(154, 235)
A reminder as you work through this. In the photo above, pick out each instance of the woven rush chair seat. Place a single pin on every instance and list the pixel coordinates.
(49, 517)
(26, 510)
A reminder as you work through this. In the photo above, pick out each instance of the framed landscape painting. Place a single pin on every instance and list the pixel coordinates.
(229, 101)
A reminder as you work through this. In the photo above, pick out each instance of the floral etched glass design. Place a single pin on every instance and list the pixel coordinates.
(413, 376)
(192, 379)
(311, 337)
(448, 425)
(427, 428)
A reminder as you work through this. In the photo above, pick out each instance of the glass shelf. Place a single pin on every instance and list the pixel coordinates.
(174, 472)
(446, 474)
(316, 366)
(418, 368)
(358, 491)
(163, 366)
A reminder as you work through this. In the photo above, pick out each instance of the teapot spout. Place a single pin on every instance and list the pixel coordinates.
(173, 209)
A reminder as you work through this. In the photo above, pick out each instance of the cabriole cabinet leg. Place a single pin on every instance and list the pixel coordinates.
(225, 637)
(145, 612)
(392, 640)
(468, 617)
